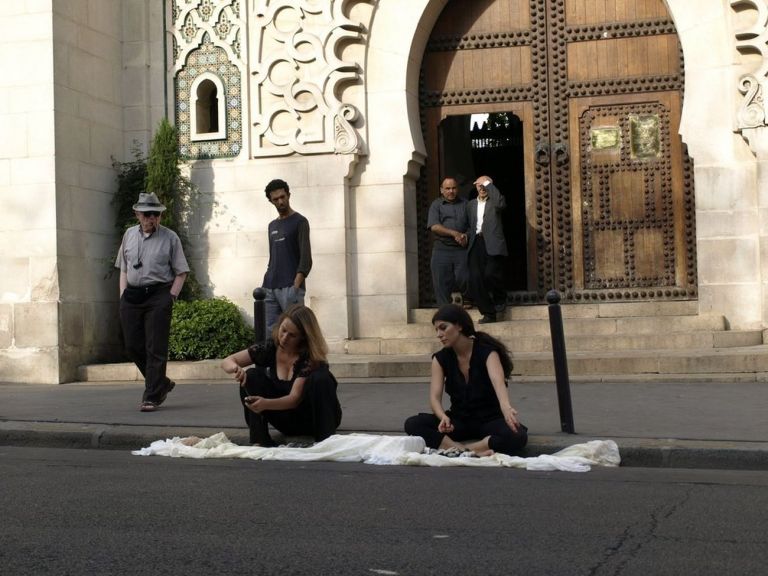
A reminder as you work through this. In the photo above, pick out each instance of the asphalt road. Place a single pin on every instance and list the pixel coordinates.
(105, 512)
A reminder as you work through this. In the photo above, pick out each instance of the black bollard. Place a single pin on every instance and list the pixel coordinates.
(561, 362)
(259, 315)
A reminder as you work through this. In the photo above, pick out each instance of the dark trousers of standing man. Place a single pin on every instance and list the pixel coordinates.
(146, 327)
(486, 278)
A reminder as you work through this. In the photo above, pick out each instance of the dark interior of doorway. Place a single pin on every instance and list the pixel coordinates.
(472, 145)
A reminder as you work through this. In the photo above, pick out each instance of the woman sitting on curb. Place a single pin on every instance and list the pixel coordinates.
(290, 386)
(473, 368)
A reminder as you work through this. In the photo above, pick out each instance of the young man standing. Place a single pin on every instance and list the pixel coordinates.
(290, 254)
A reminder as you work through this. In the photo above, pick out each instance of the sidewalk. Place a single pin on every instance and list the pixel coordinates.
(690, 425)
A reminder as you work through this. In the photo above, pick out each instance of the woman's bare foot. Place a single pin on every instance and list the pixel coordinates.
(481, 447)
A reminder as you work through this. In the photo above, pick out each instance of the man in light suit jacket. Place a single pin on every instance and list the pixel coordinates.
(487, 250)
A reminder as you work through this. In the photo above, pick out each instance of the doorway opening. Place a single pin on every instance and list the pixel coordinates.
(472, 145)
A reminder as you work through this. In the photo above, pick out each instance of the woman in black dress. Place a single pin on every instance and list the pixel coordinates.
(473, 368)
(290, 385)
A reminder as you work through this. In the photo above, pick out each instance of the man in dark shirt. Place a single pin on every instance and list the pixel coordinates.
(449, 222)
(290, 254)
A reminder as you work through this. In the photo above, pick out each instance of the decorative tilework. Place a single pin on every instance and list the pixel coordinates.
(206, 40)
(209, 58)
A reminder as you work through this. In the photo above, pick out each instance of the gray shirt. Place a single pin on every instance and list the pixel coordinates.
(160, 255)
(452, 215)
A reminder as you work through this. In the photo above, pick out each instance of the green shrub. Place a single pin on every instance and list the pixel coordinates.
(204, 329)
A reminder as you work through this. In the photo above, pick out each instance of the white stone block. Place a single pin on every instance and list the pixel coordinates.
(328, 277)
(36, 324)
(728, 261)
(38, 98)
(14, 140)
(718, 224)
(253, 244)
(370, 313)
(324, 206)
(33, 171)
(135, 118)
(741, 304)
(25, 243)
(75, 137)
(14, 59)
(377, 240)
(41, 137)
(44, 279)
(5, 172)
(29, 27)
(6, 325)
(14, 279)
(379, 274)
(378, 206)
(33, 365)
(328, 240)
(724, 188)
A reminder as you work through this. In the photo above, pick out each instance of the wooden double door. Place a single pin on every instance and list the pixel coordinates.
(573, 107)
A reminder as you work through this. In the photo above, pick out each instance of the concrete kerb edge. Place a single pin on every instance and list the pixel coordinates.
(635, 452)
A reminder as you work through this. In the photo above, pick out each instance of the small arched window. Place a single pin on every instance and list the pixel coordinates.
(208, 110)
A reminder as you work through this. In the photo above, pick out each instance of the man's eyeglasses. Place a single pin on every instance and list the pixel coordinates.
(149, 214)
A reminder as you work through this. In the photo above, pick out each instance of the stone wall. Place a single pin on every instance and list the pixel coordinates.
(29, 282)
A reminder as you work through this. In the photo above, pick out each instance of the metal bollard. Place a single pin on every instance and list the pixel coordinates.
(561, 362)
(259, 315)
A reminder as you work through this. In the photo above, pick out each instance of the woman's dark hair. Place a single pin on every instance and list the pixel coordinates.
(455, 314)
(276, 184)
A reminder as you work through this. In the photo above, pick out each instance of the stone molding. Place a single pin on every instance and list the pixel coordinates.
(299, 80)
(753, 111)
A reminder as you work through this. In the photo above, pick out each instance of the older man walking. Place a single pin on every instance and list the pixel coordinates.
(152, 272)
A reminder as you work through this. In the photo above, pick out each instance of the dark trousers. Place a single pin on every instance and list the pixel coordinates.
(502, 438)
(449, 273)
(317, 415)
(146, 328)
(486, 278)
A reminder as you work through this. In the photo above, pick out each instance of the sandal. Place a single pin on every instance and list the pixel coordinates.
(164, 395)
(148, 406)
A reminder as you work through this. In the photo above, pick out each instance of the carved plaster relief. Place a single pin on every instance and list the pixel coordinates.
(302, 85)
(753, 39)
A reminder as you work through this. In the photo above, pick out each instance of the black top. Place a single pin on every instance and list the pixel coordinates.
(289, 251)
(476, 399)
(264, 355)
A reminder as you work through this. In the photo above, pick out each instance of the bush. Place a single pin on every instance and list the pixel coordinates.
(204, 329)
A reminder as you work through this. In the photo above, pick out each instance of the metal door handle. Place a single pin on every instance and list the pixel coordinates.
(561, 154)
(541, 154)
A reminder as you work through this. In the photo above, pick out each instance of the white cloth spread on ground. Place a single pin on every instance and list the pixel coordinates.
(383, 450)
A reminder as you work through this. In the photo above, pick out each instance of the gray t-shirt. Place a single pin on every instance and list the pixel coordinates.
(452, 215)
(154, 259)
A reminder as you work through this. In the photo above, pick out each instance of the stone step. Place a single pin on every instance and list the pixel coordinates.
(714, 364)
(666, 340)
(574, 326)
(652, 364)
(602, 310)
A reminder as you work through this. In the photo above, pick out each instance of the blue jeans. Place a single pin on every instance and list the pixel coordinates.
(278, 300)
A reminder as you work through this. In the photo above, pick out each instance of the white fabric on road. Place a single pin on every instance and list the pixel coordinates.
(385, 450)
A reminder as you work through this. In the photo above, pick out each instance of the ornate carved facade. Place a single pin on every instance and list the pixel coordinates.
(300, 78)
(753, 39)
